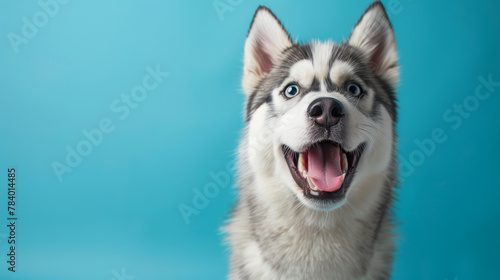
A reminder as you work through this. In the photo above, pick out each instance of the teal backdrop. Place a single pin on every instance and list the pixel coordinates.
(122, 118)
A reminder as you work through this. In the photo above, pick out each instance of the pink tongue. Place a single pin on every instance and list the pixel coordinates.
(324, 167)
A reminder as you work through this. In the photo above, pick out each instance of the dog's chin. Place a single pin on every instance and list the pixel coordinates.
(323, 173)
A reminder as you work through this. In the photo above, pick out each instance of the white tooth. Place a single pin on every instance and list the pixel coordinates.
(345, 163)
(312, 186)
(313, 192)
(304, 173)
(301, 164)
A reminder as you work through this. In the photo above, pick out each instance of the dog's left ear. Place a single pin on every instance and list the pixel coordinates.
(265, 42)
(374, 36)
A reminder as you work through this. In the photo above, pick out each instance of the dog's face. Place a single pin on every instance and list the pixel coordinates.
(320, 116)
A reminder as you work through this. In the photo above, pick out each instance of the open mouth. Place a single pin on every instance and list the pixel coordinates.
(324, 170)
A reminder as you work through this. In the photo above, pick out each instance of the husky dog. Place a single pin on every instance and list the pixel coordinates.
(317, 163)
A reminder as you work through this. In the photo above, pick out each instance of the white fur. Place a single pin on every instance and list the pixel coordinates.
(340, 69)
(321, 56)
(301, 72)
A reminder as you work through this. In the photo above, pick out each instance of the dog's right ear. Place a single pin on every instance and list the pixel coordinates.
(265, 42)
(374, 36)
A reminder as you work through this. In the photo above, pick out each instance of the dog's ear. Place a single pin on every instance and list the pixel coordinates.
(265, 42)
(374, 36)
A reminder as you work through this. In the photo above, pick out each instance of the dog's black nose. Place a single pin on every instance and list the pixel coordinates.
(326, 111)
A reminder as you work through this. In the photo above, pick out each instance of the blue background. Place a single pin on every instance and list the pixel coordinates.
(117, 213)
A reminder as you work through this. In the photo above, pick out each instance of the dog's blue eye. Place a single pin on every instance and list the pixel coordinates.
(354, 89)
(291, 91)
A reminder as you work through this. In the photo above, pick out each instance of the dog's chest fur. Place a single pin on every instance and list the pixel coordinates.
(293, 242)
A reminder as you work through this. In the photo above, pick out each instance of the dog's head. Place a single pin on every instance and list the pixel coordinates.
(320, 115)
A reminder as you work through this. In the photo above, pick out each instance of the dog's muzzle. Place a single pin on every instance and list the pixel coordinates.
(324, 169)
